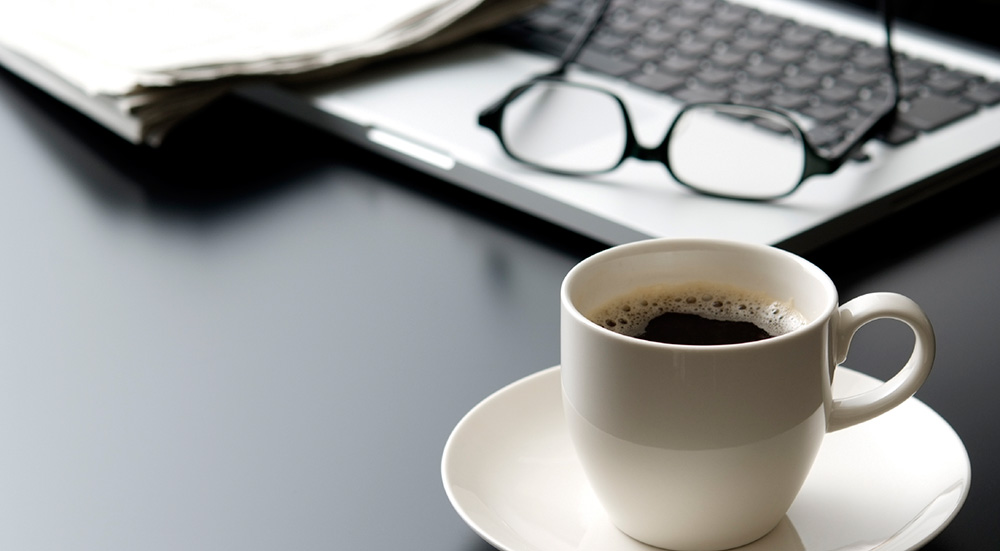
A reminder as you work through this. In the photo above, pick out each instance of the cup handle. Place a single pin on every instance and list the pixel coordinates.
(870, 404)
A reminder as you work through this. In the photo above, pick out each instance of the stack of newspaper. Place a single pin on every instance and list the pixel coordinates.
(140, 67)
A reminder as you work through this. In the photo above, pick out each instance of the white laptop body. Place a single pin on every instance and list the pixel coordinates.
(423, 112)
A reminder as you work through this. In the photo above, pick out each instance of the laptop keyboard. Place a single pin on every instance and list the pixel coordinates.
(714, 50)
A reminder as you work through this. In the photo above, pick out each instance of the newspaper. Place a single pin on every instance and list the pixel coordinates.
(152, 63)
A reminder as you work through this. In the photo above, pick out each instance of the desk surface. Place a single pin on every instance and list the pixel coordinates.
(259, 337)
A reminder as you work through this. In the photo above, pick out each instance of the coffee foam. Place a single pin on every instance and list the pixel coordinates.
(629, 314)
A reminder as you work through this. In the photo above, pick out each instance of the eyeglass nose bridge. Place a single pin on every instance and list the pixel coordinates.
(657, 154)
(636, 150)
(644, 153)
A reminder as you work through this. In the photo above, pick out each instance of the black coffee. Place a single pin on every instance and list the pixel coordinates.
(677, 328)
(698, 314)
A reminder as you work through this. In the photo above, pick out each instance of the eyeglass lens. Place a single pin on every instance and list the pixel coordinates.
(565, 128)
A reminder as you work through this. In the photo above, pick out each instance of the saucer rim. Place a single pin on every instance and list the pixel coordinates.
(456, 433)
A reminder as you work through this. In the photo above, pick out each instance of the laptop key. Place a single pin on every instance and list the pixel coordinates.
(825, 113)
(764, 70)
(643, 51)
(614, 64)
(825, 136)
(786, 54)
(749, 88)
(679, 64)
(716, 76)
(788, 100)
(838, 93)
(748, 43)
(947, 83)
(801, 82)
(801, 35)
(608, 41)
(696, 94)
(836, 47)
(984, 93)
(932, 111)
(899, 134)
(661, 82)
(759, 24)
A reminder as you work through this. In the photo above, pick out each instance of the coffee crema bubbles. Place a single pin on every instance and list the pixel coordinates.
(698, 313)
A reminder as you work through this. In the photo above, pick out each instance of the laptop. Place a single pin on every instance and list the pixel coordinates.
(422, 111)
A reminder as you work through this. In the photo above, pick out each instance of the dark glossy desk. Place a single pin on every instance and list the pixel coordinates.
(259, 338)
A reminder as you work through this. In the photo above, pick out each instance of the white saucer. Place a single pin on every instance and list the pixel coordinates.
(890, 484)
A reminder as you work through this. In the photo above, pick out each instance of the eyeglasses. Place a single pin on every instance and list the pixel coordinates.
(568, 128)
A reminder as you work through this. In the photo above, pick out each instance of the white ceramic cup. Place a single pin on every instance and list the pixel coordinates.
(705, 447)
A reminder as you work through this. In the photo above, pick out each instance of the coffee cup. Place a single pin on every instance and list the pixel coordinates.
(705, 445)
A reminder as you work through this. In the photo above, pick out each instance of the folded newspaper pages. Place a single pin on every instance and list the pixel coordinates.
(140, 67)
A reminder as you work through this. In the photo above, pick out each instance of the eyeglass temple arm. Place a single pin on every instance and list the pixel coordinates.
(815, 163)
(490, 116)
(581, 38)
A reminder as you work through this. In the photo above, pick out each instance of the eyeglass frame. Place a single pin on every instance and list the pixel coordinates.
(815, 163)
